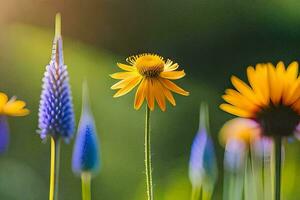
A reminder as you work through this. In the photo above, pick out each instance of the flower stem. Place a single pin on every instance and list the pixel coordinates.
(148, 164)
(54, 169)
(86, 185)
(278, 143)
(196, 191)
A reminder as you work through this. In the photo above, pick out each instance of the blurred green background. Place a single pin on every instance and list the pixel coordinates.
(209, 39)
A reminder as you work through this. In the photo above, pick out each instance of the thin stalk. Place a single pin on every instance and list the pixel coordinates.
(148, 163)
(196, 192)
(86, 185)
(206, 195)
(278, 143)
(54, 169)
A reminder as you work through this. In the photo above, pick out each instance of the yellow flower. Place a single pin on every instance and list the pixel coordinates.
(272, 99)
(12, 107)
(245, 130)
(152, 73)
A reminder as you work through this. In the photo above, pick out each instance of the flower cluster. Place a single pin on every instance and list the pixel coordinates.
(56, 117)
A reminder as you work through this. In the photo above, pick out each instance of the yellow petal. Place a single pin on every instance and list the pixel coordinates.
(172, 74)
(150, 93)
(255, 83)
(235, 111)
(263, 82)
(140, 95)
(245, 90)
(128, 87)
(172, 67)
(274, 84)
(126, 67)
(293, 93)
(122, 83)
(279, 83)
(3, 100)
(123, 75)
(168, 95)
(240, 101)
(290, 82)
(292, 71)
(159, 95)
(173, 87)
(15, 108)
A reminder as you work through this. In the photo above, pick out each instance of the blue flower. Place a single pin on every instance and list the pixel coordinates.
(86, 148)
(203, 163)
(56, 116)
(4, 134)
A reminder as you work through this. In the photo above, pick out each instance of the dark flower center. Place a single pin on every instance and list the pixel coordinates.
(278, 120)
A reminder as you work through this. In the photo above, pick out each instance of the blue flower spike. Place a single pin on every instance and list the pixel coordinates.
(203, 170)
(86, 158)
(56, 116)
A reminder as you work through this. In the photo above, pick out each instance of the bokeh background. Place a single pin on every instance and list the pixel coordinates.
(210, 39)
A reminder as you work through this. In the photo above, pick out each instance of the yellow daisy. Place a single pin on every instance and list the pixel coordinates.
(12, 107)
(153, 74)
(272, 99)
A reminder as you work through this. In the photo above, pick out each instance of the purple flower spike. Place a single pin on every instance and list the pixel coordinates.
(203, 163)
(86, 147)
(56, 116)
(4, 134)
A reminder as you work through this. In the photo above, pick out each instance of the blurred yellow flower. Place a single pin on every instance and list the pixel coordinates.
(12, 107)
(152, 73)
(272, 99)
(241, 129)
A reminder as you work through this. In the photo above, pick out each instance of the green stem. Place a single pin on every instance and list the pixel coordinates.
(195, 193)
(148, 164)
(278, 143)
(86, 185)
(54, 169)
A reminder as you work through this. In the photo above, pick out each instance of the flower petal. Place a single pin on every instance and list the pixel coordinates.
(123, 75)
(173, 87)
(3, 100)
(290, 81)
(15, 108)
(272, 83)
(122, 83)
(149, 90)
(292, 71)
(159, 95)
(168, 95)
(240, 101)
(234, 110)
(172, 74)
(171, 67)
(258, 84)
(140, 95)
(244, 89)
(126, 67)
(294, 92)
(134, 82)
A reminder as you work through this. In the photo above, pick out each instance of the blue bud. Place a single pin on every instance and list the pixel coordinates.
(203, 163)
(86, 148)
